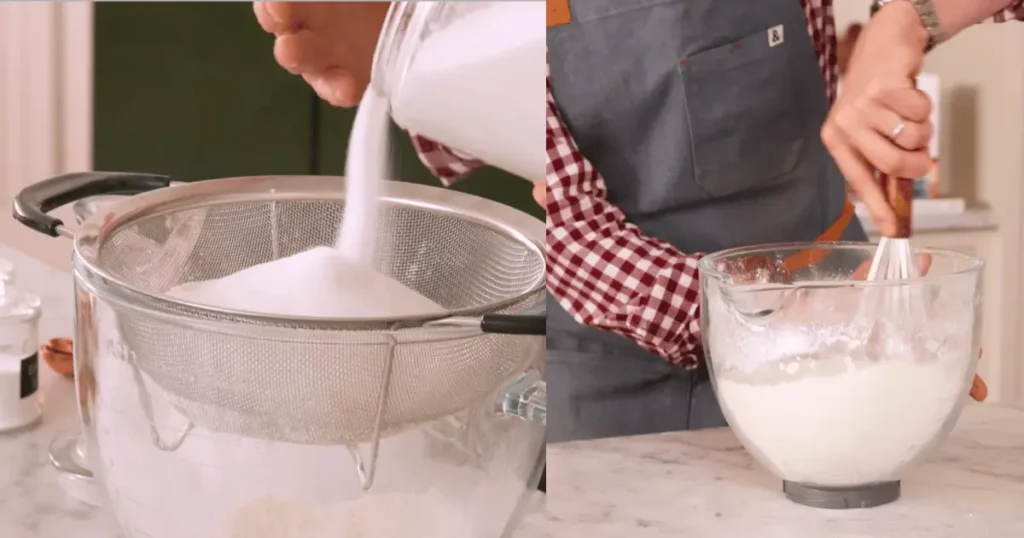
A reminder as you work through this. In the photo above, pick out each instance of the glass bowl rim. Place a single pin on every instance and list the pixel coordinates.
(707, 268)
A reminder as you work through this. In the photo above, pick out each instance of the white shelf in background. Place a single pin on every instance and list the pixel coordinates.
(926, 206)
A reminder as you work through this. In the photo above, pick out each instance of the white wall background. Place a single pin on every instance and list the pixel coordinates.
(45, 108)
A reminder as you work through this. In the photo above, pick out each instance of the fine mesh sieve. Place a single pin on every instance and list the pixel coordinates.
(307, 380)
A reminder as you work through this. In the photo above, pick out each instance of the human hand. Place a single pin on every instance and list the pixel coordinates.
(979, 390)
(330, 44)
(880, 121)
(540, 193)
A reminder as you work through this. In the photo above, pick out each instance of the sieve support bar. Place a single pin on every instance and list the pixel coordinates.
(33, 203)
(511, 324)
(514, 324)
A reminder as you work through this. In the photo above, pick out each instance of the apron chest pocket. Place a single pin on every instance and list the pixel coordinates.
(745, 124)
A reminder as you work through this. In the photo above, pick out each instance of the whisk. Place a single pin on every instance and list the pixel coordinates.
(894, 259)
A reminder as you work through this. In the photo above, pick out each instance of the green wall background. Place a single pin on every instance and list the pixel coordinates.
(192, 90)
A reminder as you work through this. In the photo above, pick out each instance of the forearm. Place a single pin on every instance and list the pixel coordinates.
(954, 16)
(604, 271)
(958, 15)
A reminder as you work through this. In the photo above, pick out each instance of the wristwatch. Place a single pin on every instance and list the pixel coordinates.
(929, 18)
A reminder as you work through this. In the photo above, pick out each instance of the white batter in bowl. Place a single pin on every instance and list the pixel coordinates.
(835, 399)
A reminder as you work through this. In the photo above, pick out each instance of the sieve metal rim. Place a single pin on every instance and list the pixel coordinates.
(498, 217)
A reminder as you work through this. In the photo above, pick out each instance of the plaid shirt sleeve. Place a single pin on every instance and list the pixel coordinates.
(1015, 11)
(445, 163)
(603, 270)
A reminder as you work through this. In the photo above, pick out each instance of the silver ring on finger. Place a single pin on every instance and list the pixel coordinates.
(898, 130)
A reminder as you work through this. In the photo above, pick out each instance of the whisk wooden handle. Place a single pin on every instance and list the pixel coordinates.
(899, 192)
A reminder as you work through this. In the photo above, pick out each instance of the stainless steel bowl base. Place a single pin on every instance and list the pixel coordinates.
(868, 496)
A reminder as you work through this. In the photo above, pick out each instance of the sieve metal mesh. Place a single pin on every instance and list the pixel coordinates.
(315, 380)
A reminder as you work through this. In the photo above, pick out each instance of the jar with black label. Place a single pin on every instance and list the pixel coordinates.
(19, 353)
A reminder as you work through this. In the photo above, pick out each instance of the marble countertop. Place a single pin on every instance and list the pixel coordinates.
(703, 484)
(32, 502)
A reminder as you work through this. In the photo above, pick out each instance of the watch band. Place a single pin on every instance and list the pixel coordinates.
(929, 18)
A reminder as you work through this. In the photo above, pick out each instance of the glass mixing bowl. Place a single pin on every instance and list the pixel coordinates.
(468, 475)
(836, 384)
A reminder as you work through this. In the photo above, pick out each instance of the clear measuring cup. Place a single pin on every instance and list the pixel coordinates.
(469, 75)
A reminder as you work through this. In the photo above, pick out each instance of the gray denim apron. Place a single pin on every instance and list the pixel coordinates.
(703, 117)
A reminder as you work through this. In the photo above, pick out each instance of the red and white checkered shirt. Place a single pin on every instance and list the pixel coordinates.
(601, 268)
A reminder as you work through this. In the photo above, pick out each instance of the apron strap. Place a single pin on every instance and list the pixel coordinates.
(835, 231)
(558, 13)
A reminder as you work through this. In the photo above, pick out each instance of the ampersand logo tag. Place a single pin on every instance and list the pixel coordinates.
(776, 35)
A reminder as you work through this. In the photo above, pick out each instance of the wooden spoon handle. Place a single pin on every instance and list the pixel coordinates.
(899, 192)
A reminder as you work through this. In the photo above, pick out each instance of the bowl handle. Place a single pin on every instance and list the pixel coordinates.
(33, 203)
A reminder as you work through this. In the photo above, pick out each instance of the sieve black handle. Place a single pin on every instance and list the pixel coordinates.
(535, 325)
(32, 204)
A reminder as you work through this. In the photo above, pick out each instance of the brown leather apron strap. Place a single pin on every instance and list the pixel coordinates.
(835, 231)
(558, 13)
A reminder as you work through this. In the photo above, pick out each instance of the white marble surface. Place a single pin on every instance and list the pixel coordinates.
(32, 503)
(703, 484)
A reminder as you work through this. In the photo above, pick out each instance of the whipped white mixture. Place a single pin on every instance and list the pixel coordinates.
(838, 421)
(825, 393)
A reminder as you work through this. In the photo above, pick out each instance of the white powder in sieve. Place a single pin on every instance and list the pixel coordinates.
(324, 282)
(320, 282)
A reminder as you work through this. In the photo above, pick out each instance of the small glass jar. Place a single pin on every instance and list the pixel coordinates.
(470, 76)
(19, 353)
